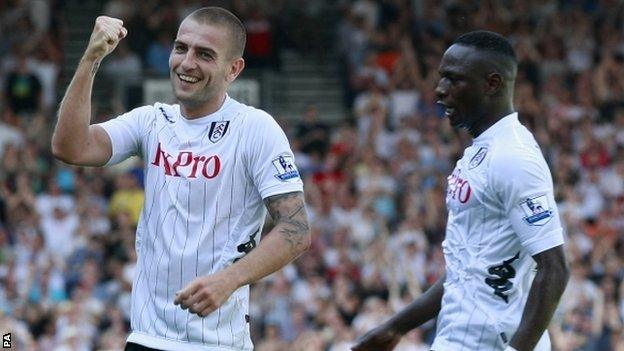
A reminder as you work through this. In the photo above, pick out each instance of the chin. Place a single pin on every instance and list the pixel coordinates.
(187, 102)
(456, 123)
(184, 95)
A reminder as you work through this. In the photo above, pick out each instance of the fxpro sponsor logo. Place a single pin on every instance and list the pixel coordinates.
(187, 164)
(458, 187)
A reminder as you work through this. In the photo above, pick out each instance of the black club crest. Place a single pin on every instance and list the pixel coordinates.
(218, 130)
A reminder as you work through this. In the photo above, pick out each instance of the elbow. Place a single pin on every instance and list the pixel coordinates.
(565, 274)
(557, 273)
(57, 149)
(552, 267)
(60, 152)
(563, 271)
(306, 242)
(303, 243)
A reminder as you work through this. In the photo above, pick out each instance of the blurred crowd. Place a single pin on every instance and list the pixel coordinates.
(272, 26)
(375, 180)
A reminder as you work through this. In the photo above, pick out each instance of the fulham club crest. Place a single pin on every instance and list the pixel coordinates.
(217, 130)
(476, 160)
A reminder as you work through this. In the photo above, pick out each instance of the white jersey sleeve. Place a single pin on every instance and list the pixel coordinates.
(524, 183)
(126, 131)
(270, 159)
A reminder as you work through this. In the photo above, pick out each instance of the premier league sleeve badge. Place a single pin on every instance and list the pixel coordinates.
(285, 168)
(537, 210)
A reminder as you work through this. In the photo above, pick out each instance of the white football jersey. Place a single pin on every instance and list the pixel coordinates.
(501, 212)
(205, 181)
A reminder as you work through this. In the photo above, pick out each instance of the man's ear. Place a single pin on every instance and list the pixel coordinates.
(236, 67)
(493, 83)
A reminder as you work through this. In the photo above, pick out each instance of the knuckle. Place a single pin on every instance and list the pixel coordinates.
(102, 20)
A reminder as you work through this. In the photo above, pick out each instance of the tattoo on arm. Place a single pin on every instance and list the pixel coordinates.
(290, 216)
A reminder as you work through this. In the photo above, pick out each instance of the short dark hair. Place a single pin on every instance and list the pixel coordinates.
(487, 41)
(222, 17)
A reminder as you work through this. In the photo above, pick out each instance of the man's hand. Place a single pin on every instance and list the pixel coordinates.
(106, 34)
(381, 338)
(204, 295)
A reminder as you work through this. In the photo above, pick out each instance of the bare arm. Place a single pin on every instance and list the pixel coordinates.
(426, 307)
(548, 285)
(386, 336)
(288, 239)
(74, 140)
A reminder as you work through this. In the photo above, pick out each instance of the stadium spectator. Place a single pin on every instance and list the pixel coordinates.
(22, 89)
(124, 70)
(128, 197)
(260, 50)
(312, 134)
(157, 56)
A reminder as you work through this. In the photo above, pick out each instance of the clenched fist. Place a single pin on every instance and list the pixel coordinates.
(106, 34)
(205, 294)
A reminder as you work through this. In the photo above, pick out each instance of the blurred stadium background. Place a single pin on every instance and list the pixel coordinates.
(352, 84)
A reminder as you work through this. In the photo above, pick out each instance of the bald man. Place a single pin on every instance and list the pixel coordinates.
(503, 249)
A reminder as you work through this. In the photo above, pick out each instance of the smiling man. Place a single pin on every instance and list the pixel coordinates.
(213, 166)
(505, 265)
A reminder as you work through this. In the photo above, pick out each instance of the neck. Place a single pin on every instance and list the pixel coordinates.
(194, 111)
(489, 119)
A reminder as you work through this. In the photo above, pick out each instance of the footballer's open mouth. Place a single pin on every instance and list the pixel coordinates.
(448, 109)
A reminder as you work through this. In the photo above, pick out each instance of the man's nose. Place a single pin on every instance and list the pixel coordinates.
(441, 90)
(188, 62)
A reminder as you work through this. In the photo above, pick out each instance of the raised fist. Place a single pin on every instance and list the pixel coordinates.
(106, 34)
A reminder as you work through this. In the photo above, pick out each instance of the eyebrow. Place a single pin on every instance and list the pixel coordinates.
(452, 70)
(446, 72)
(198, 48)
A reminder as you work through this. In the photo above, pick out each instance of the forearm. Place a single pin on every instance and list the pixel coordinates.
(548, 285)
(279, 247)
(74, 115)
(423, 309)
(288, 239)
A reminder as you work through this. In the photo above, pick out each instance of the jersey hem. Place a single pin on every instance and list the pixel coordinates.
(280, 189)
(546, 242)
(111, 160)
(440, 345)
(160, 343)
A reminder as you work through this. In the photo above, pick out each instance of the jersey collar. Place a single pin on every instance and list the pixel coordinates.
(227, 102)
(500, 125)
